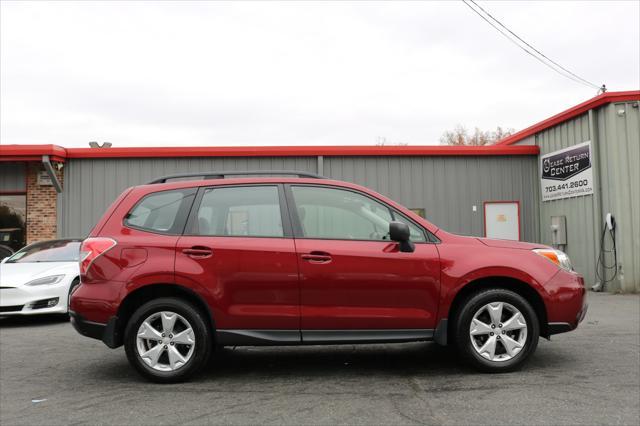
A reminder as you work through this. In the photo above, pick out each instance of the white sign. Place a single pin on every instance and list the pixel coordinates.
(567, 173)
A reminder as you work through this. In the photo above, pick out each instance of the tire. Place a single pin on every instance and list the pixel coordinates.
(512, 344)
(75, 283)
(161, 364)
(5, 251)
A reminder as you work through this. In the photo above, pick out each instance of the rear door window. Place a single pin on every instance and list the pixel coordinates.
(248, 211)
(162, 212)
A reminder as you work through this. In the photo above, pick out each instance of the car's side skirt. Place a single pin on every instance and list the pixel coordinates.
(319, 337)
(257, 337)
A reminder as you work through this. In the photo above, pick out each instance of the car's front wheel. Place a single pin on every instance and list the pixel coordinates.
(496, 330)
(167, 340)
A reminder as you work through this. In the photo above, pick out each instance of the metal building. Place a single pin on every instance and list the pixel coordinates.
(454, 187)
(611, 122)
(455, 183)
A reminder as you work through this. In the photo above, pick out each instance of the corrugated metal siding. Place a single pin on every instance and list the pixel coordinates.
(446, 187)
(529, 140)
(618, 129)
(616, 150)
(12, 177)
(580, 212)
(91, 185)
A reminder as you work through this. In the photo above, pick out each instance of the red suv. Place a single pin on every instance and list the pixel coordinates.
(236, 258)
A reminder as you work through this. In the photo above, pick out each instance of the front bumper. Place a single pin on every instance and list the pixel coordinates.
(107, 333)
(566, 302)
(27, 300)
(563, 327)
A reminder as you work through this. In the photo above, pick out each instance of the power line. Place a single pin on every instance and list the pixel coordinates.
(533, 48)
(568, 74)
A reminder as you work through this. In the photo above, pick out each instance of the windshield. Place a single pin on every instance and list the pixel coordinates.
(48, 251)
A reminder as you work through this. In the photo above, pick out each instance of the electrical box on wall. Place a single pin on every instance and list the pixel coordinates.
(559, 230)
(44, 179)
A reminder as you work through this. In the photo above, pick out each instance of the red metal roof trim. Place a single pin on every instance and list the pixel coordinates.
(10, 152)
(605, 98)
(32, 152)
(294, 151)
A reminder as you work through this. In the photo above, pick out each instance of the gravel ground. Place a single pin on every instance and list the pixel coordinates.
(51, 375)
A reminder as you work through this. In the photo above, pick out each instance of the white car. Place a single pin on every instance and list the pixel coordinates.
(39, 278)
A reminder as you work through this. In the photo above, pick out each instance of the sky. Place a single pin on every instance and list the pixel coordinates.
(297, 73)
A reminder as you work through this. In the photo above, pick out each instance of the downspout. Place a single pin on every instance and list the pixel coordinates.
(52, 174)
(597, 194)
(320, 166)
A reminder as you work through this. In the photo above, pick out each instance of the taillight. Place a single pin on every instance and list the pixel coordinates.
(91, 249)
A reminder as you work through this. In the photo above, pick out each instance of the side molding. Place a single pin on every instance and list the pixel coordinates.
(317, 337)
(258, 337)
(313, 337)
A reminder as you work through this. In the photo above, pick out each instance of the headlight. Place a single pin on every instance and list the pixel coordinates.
(558, 257)
(53, 279)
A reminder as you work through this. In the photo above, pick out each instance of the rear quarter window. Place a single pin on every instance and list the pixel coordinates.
(163, 212)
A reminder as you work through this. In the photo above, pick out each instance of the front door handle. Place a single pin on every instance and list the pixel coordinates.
(198, 252)
(317, 257)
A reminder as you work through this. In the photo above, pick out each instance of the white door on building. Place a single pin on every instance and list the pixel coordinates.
(502, 220)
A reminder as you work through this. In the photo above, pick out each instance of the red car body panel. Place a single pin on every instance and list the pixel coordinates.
(250, 283)
(271, 283)
(368, 285)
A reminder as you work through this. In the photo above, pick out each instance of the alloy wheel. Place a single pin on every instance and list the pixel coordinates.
(165, 341)
(498, 331)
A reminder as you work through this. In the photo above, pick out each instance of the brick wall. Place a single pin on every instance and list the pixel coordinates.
(41, 206)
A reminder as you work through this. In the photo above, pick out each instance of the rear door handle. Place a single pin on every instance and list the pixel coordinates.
(198, 252)
(317, 257)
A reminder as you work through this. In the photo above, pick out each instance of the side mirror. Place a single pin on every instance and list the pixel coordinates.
(399, 232)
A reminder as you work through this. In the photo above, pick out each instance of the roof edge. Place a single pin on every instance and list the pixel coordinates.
(12, 152)
(32, 152)
(604, 98)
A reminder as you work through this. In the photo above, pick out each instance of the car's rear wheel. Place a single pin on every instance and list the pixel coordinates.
(167, 340)
(496, 330)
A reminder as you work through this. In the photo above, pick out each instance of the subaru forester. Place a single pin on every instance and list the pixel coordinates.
(190, 262)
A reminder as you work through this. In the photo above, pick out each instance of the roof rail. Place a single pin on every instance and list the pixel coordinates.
(222, 175)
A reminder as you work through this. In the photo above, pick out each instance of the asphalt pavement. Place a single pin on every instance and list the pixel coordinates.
(49, 374)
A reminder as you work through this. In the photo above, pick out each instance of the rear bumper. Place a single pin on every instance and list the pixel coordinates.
(107, 333)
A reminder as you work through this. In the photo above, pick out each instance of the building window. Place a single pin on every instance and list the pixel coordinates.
(419, 212)
(13, 217)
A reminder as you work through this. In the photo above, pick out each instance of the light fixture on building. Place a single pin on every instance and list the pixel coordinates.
(94, 144)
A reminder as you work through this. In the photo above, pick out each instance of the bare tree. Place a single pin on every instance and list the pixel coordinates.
(383, 141)
(460, 136)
